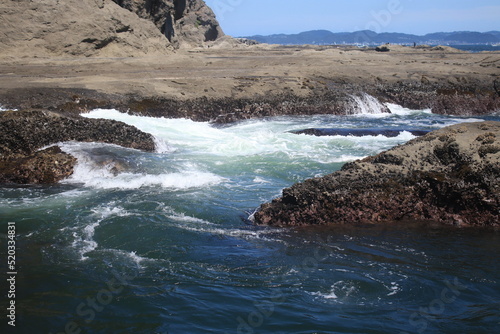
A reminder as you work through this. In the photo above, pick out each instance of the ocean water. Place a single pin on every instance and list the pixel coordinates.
(161, 242)
(477, 48)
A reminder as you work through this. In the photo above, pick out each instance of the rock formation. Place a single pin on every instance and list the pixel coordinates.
(106, 28)
(451, 176)
(23, 134)
(183, 22)
(42, 167)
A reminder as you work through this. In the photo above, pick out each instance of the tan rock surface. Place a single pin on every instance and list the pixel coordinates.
(53, 28)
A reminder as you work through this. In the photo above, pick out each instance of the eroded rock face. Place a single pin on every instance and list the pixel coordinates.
(183, 22)
(22, 133)
(451, 176)
(123, 28)
(76, 27)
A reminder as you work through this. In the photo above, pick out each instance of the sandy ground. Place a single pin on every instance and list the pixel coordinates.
(249, 71)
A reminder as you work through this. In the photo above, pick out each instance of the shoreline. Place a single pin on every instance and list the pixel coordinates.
(229, 84)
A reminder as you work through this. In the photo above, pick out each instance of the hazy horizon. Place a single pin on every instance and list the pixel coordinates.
(383, 32)
(258, 17)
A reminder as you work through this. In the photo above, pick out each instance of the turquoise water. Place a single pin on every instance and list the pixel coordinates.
(161, 242)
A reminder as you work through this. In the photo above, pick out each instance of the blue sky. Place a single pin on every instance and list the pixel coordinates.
(252, 17)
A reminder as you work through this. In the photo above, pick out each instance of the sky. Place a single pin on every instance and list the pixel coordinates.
(264, 17)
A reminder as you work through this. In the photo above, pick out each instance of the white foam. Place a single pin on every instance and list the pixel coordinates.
(2, 108)
(194, 224)
(239, 145)
(465, 120)
(85, 243)
(162, 146)
(137, 260)
(236, 233)
(260, 180)
(93, 175)
(245, 139)
(108, 211)
(340, 289)
(181, 217)
(402, 111)
(168, 132)
(182, 180)
(394, 289)
(329, 295)
(84, 239)
(366, 105)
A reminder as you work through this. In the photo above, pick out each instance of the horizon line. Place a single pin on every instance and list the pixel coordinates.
(378, 33)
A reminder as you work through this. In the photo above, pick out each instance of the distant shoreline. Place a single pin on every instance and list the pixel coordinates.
(372, 38)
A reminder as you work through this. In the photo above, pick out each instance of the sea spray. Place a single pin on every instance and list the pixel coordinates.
(365, 105)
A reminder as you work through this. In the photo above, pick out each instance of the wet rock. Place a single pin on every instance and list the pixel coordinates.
(472, 97)
(43, 167)
(26, 131)
(450, 175)
(222, 110)
(23, 133)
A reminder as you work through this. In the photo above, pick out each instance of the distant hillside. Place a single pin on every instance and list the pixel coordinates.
(369, 37)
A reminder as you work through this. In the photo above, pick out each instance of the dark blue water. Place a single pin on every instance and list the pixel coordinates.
(165, 245)
(477, 48)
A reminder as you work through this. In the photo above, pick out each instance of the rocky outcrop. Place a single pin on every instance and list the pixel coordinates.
(450, 176)
(76, 27)
(123, 28)
(23, 133)
(43, 167)
(184, 22)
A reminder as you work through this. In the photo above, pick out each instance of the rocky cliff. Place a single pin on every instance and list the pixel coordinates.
(107, 28)
(182, 22)
(450, 176)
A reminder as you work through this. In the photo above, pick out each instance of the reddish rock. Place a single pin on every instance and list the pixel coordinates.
(43, 167)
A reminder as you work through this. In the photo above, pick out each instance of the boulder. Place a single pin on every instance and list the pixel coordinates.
(43, 167)
(449, 176)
